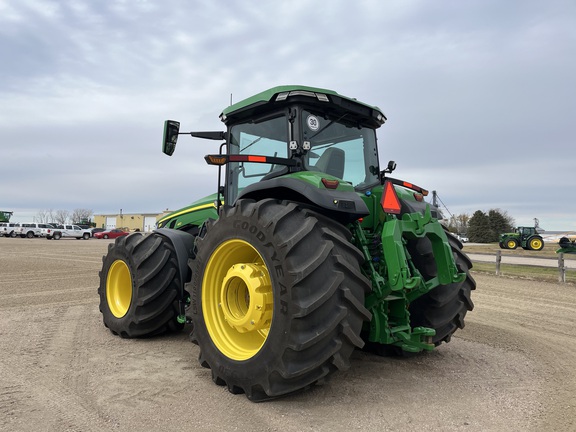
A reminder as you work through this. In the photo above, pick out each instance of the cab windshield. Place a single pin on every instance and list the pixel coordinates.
(340, 148)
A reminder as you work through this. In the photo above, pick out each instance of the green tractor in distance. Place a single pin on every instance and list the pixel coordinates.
(307, 251)
(527, 237)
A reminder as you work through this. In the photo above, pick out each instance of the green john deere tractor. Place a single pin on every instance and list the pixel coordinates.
(307, 251)
(527, 237)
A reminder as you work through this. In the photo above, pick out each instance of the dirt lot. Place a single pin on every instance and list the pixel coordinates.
(511, 369)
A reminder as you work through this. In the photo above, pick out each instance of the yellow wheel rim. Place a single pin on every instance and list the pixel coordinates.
(511, 244)
(237, 299)
(535, 244)
(119, 288)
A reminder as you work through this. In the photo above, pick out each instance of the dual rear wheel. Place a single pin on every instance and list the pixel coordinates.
(140, 288)
(276, 295)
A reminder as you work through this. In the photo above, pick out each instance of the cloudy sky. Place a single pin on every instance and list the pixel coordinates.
(480, 95)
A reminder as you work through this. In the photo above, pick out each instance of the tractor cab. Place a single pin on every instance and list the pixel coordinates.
(289, 137)
(526, 232)
(298, 138)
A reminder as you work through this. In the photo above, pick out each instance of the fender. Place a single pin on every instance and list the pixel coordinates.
(183, 244)
(346, 206)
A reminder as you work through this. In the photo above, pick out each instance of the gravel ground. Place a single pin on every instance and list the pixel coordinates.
(510, 369)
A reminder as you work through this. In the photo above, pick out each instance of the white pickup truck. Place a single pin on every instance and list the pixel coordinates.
(56, 232)
(9, 229)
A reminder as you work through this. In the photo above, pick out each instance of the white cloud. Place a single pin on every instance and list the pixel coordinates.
(479, 95)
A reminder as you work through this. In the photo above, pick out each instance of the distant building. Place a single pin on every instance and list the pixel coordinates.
(144, 222)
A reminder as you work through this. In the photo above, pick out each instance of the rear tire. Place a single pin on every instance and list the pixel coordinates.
(57, 236)
(444, 308)
(277, 298)
(535, 244)
(140, 288)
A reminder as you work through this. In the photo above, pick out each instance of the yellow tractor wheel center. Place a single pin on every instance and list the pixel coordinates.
(119, 288)
(246, 297)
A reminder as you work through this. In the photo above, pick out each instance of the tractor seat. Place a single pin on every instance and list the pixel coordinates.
(332, 162)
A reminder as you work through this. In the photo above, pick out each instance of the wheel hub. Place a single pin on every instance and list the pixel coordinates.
(246, 297)
(237, 299)
(119, 288)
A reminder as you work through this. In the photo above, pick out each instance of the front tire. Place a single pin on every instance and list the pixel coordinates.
(140, 289)
(277, 298)
(511, 243)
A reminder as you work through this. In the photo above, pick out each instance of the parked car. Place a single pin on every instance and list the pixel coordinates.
(97, 230)
(111, 234)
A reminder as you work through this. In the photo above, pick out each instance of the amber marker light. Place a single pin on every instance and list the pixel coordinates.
(215, 159)
(330, 184)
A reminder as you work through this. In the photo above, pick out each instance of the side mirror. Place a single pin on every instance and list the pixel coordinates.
(171, 129)
(391, 166)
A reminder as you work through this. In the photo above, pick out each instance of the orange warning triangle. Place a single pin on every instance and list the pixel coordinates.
(390, 202)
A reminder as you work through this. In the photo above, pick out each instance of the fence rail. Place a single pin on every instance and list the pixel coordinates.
(521, 261)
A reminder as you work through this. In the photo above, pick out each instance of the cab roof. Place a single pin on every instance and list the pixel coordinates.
(286, 94)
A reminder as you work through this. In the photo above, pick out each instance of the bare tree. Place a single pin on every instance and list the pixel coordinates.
(459, 223)
(51, 215)
(44, 216)
(41, 216)
(81, 215)
(61, 216)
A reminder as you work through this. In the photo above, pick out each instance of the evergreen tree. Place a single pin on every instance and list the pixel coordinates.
(499, 223)
(479, 228)
(486, 228)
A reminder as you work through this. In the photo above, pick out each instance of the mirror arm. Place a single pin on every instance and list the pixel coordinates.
(218, 135)
(389, 169)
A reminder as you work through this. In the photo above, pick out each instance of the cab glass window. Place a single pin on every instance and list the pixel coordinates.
(267, 137)
(341, 148)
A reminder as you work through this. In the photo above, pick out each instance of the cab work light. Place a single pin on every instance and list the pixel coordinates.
(390, 202)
